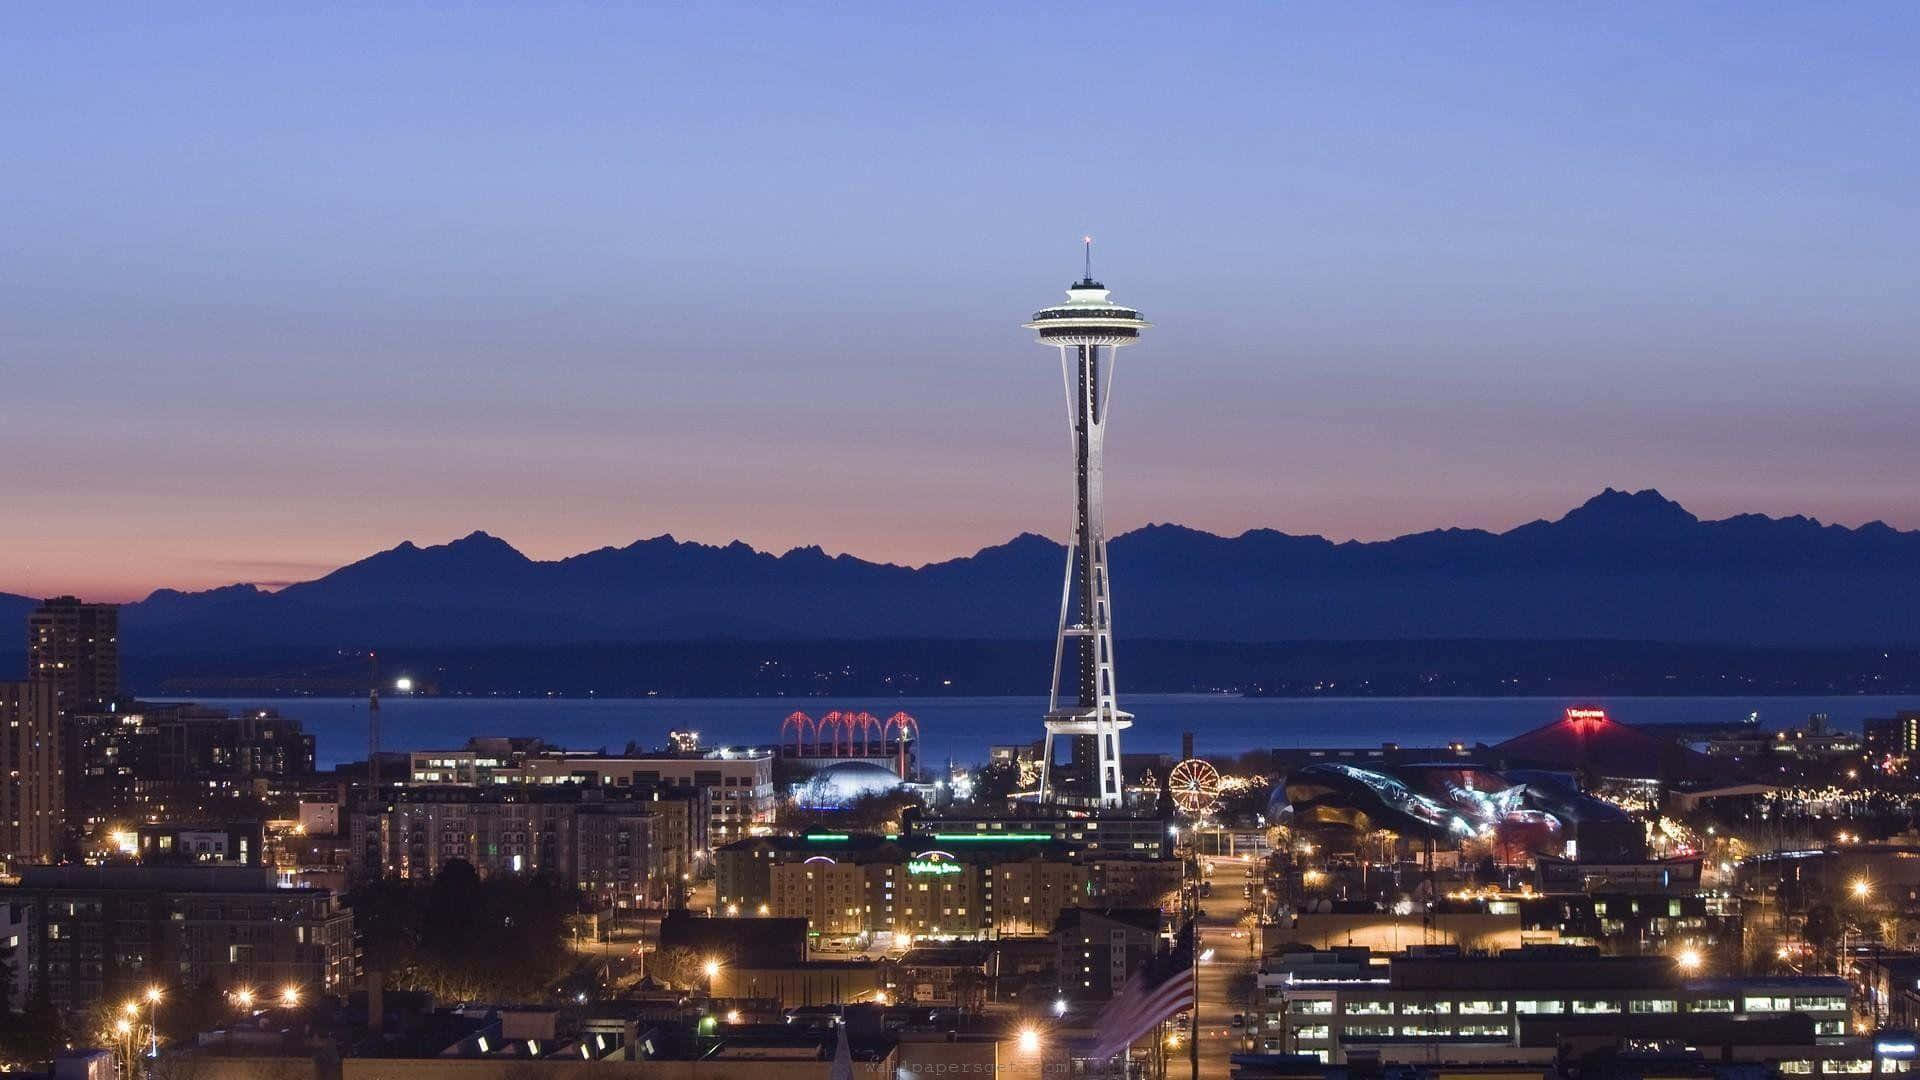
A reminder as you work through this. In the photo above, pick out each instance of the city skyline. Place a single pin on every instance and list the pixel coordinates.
(1409, 273)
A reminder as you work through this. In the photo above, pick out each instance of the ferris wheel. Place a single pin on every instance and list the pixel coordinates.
(1195, 786)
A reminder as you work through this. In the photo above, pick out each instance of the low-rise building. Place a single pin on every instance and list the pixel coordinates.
(1100, 947)
(772, 941)
(952, 975)
(738, 783)
(237, 843)
(847, 885)
(1896, 736)
(628, 846)
(1619, 924)
(811, 982)
(100, 932)
(1104, 837)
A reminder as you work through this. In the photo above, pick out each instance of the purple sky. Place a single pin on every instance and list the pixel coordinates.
(279, 289)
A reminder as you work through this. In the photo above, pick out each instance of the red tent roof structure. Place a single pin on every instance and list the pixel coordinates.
(1586, 739)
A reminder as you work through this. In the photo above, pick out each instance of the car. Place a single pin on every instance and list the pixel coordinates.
(1239, 1019)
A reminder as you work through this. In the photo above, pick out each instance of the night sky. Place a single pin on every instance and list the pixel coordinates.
(278, 289)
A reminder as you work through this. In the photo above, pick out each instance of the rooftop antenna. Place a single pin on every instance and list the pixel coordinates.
(373, 724)
(1088, 241)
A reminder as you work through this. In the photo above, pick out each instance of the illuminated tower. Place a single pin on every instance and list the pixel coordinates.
(1088, 330)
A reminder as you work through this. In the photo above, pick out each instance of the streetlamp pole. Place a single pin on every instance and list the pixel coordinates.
(153, 1022)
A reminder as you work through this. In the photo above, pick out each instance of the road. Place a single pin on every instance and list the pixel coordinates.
(1226, 927)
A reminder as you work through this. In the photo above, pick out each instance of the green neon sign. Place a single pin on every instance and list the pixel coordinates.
(818, 837)
(928, 866)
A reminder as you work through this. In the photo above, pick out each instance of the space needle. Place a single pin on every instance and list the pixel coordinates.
(1089, 330)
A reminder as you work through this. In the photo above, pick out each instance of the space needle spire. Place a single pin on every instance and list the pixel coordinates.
(1083, 704)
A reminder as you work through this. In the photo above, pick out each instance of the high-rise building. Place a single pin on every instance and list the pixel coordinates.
(1088, 330)
(147, 759)
(76, 647)
(32, 780)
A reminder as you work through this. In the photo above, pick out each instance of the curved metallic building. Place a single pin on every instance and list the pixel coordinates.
(1446, 804)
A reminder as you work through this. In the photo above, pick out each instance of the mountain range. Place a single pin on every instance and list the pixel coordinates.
(1622, 566)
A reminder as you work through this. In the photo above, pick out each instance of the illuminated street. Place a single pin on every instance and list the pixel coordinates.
(1225, 980)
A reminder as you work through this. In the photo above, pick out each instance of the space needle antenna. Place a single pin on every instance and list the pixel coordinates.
(1083, 707)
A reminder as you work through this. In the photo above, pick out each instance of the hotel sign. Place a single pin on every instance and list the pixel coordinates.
(924, 867)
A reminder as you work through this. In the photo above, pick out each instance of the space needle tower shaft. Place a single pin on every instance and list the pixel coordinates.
(1088, 330)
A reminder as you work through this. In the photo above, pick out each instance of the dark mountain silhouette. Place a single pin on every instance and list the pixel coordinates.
(1621, 566)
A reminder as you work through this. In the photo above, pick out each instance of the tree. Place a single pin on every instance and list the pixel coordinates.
(386, 916)
(996, 781)
(677, 966)
(451, 926)
(37, 1033)
(463, 937)
(1822, 927)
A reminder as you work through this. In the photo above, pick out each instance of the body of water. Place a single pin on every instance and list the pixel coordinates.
(963, 728)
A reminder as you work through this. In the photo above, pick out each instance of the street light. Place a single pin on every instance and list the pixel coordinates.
(1689, 960)
(153, 1021)
(1029, 1039)
(289, 995)
(243, 998)
(1060, 1006)
(1861, 888)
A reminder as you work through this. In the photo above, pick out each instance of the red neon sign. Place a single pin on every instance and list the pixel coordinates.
(1579, 714)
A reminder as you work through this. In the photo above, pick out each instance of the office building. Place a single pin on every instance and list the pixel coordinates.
(32, 777)
(76, 647)
(1438, 1005)
(103, 933)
